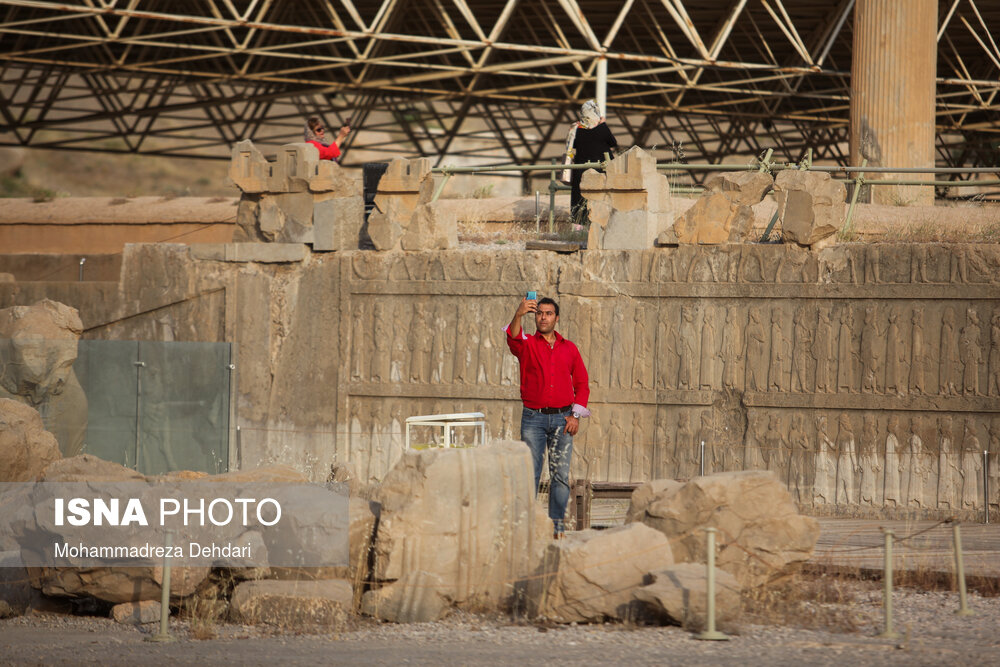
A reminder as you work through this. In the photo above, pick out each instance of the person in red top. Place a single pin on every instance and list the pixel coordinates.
(315, 134)
(554, 391)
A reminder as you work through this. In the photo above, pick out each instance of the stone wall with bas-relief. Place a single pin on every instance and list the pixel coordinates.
(866, 376)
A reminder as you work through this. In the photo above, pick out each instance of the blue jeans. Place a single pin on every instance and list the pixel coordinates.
(547, 433)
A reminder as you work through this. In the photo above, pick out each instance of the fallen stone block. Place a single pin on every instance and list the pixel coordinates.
(418, 597)
(249, 169)
(647, 493)
(464, 516)
(679, 595)
(761, 532)
(811, 205)
(590, 575)
(430, 228)
(136, 613)
(26, 448)
(723, 213)
(292, 604)
(745, 188)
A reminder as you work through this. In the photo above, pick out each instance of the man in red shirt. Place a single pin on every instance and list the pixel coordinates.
(554, 390)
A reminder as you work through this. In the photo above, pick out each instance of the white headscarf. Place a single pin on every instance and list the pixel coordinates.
(589, 117)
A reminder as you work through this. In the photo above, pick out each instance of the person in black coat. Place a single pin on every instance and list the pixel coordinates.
(588, 141)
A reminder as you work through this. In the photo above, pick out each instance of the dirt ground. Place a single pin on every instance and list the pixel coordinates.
(843, 632)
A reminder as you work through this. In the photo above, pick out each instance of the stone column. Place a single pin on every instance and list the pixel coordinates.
(893, 92)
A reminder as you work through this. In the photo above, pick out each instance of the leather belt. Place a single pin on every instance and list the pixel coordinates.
(555, 411)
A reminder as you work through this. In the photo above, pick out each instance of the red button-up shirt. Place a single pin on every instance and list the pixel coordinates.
(551, 377)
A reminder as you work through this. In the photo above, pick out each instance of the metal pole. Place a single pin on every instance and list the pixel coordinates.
(602, 85)
(710, 632)
(538, 216)
(138, 408)
(986, 486)
(83, 260)
(887, 595)
(701, 463)
(239, 448)
(552, 199)
(164, 634)
(963, 607)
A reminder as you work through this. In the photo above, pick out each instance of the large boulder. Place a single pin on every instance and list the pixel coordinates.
(26, 448)
(292, 604)
(590, 575)
(679, 595)
(38, 346)
(811, 205)
(464, 517)
(723, 213)
(760, 530)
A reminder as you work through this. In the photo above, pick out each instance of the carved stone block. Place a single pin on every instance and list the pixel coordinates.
(249, 169)
(337, 222)
(811, 205)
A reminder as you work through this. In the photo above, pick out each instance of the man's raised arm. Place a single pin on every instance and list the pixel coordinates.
(526, 306)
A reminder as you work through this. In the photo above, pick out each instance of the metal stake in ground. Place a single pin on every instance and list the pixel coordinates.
(963, 608)
(710, 632)
(887, 601)
(164, 634)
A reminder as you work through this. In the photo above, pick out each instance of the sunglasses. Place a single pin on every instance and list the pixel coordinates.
(320, 129)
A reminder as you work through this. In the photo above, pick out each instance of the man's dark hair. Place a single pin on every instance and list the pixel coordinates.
(548, 300)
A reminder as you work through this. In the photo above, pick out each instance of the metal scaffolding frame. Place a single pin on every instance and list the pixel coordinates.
(467, 81)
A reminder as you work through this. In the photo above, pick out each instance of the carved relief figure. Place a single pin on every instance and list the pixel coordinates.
(358, 449)
(779, 351)
(687, 459)
(918, 263)
(948, 357)
(383, 337)
(845, 352)
(466, 350)
(397, 440)
(826, 468)
(847, 461)
(918, 357)
(872, 346)
(799, 445)
(774, 446)
(732, 347)
(895, 357)
(420, 344)
(507, 423)
(621, 365)
(947, 468)
(597, 448)
(639, 462)
(914, 468)
(970, 352)
(756, 355)
(642, 362)
(377, 456)
(823, 350)
(688, 350)
(706, 434)
(800, 349)
(993, 373)
(869, 463)
(753, 458)
(667, 348)
(401, 323)
(893, 466)
(709, 356)
(972, 466)
(358, 343)
(618, 464)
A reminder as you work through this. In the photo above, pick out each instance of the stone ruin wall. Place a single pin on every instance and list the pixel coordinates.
(866, 376)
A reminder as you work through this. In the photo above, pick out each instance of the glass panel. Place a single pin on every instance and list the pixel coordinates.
(106, 371)
(184, 407)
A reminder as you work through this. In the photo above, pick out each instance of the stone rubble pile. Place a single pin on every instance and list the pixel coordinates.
(461, 528)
